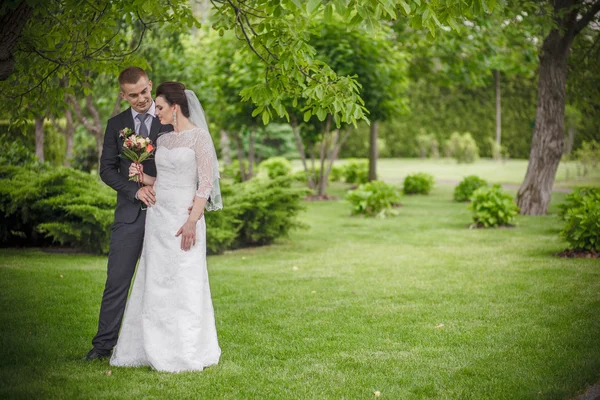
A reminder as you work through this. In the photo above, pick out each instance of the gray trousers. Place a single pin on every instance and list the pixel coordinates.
(126, 242)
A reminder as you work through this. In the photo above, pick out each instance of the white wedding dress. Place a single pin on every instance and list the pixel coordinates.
(169, 321)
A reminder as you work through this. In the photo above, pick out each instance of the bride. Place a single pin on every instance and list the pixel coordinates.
(169, 321)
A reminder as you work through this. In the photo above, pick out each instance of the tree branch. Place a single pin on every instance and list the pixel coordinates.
(77, 107)
(586, 18)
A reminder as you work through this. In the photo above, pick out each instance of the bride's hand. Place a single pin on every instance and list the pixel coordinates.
(188, 235)
(136, 169)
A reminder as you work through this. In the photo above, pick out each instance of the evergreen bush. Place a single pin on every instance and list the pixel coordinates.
(39, 206)
(62, 205)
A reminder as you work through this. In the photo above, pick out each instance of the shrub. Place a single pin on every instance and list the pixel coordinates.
(426, 144)
(336, 174)
(419, 183)
(375, 198)
(222, 227)
(276, 167)
(62, 205)
(588, 156)
(356, 171)
(266, 210)
(462, 147)
(15, 153)
(492, 207)
(581, 213)
(467, 186)
(73, 208)
(232, 171)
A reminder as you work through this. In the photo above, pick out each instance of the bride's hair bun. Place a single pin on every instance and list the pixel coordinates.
(174, 93)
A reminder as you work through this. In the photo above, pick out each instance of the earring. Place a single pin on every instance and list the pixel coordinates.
(174, 118)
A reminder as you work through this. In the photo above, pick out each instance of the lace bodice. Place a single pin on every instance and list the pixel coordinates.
(175, 169)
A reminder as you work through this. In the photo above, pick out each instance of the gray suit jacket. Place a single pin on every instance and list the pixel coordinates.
(114, 170)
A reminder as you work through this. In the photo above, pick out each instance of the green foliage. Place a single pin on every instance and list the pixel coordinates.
(73, 208)
(15, 153)
(276, 167)
(462, 147)
(336, 174)
(223, 226)
(588, 155)
(267, 210)
(373, 199)
(428, 145)
(581, 213)
(280, 32)
(66, 44)
(356, 171)
(492, 207)
(438, 109)
(419, 183)
(62, 205)
(466, 187)
(233, 171)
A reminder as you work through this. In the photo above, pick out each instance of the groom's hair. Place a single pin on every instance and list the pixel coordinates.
(131, 75)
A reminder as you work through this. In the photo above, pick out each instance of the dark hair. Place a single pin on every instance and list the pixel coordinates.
(174, 93)
(131, 75)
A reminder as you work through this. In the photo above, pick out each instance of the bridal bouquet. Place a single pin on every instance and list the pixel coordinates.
(135, 148)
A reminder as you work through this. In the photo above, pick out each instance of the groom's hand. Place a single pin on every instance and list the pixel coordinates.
(147, 195)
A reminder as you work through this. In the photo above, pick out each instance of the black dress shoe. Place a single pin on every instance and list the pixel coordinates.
(95, 355)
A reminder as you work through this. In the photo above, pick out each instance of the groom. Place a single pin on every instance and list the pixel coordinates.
(128, 229)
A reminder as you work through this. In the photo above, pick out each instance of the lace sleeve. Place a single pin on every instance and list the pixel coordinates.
(203, 148)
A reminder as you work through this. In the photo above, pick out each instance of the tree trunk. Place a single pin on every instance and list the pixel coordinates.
(322, 183)
(93, 125)
(251, 153)
(373, 151)
(68, 130)
(570, 139)
(39, 138)
(240, 155)
(11, 25)
(498, 156)
(225, 147)
(337, 144)
(117, 107)
(301, 149)
(548, 134)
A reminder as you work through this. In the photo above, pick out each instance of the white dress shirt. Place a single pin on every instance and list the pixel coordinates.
(136, 122)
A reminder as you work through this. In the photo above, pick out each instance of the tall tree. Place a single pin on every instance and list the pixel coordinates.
(380, 69)
(569, 18)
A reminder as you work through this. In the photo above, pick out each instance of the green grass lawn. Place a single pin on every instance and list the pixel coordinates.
(416, 307)
(511, 171)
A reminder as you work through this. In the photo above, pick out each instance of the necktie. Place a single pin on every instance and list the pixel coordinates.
(143, 127)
